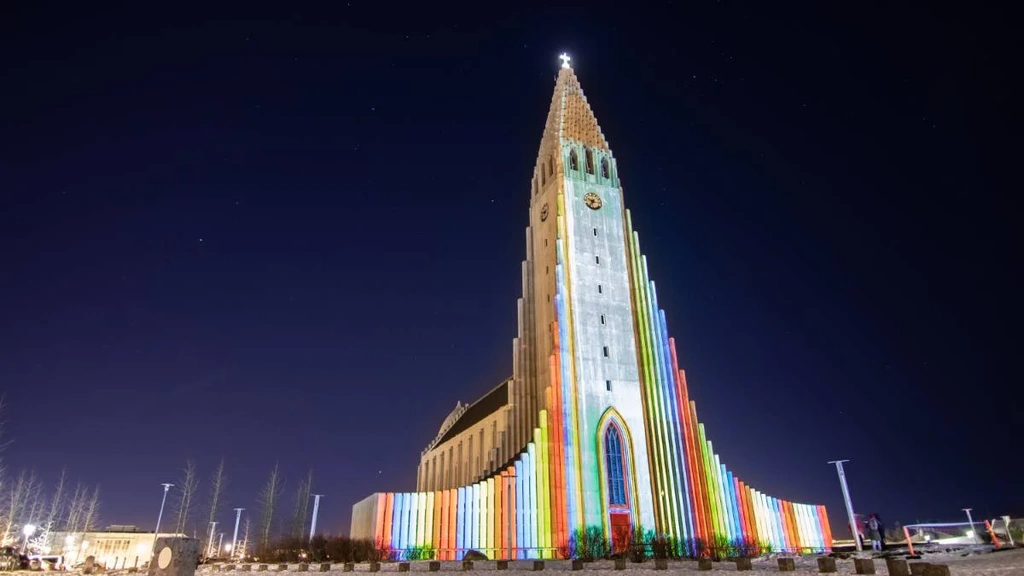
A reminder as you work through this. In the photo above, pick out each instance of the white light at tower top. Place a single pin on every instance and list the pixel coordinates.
(565, 60)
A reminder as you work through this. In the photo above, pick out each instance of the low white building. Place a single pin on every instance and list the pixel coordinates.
(115, 547)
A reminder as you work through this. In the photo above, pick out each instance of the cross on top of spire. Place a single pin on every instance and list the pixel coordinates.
(565, 60)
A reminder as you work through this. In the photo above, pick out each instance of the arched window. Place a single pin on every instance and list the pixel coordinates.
(614, 460)
(543, 178)
(574, 162)
(604, 168)
(590, 161)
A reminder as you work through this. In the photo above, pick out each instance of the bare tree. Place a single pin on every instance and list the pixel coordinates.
(300, 511)
(76, 505)
(19, 502)
(268, 498)
(186, 489)
(245, 539)
(92, 509)
(218, 482)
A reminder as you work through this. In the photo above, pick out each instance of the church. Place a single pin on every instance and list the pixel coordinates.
(595, 427)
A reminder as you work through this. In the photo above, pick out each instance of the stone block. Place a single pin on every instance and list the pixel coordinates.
(348, 567)
(403, 566)
(917, 568)
(826, 564)
(744, 564)
(229, 567)
(213, 567)
(936, 570)
(704, 564)
(325, 567)
(303, 567)
(282, 567)
(787, 565)
(620, 563)
(501, 565)
(538, 565)
(897, 567)
(660, 564)
(245, 567)
(435, 566)
(262, 568)
(864, 565)
(467, 565)
(175, 557)
(577, 565)
(374, 566)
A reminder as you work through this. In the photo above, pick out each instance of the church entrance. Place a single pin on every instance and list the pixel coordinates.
(617, 487)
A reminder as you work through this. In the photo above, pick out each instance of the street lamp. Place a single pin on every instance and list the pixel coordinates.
(159, 517)
(849, 503)
(234, 539)
(974, 533)
(28, 530)
(316, 508)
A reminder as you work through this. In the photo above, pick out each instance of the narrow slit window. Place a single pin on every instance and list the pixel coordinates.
(604, 168)
(590, 161)
(602, 318)
(595, 231)
(605, 351)
(608, 385)
(574, 162)
(600, 290)
(597, 259)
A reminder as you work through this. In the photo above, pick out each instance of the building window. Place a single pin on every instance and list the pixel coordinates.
(602, 318)
(549, 297)
(597, 259)
(605, 351)
(608, 385)
(574, 163)
(600, 290)
(545, 242)
(615, 465)
(551, 167)
(545, 269)
(590, 161)
(543, 178)
(595, 231)
(604, 168)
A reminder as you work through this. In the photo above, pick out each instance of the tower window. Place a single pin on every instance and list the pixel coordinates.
(545, 242)
(590, 161)
(574, 162)
(551, 167)
(600, 290)
(546, 269)
(608, 385)
(543, 179)
(605, 351)
(595, 231)
(605, 172)
(597, 259)
(615, 465)
(602, 318)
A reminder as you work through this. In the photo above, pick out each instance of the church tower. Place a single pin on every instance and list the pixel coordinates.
(595, 428)
(579, 339)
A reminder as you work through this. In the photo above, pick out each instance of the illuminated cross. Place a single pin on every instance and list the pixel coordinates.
(565, 60)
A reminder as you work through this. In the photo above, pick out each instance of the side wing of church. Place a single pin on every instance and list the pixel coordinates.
(595, 427)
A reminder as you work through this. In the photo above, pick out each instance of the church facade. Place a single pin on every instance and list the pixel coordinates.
(595, 427)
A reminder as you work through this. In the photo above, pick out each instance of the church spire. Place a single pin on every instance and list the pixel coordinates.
(570, 117)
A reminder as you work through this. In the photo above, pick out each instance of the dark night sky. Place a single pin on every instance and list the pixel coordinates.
(284, 234)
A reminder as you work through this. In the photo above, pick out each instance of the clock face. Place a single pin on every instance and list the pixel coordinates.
(592, 200)
(544, 212)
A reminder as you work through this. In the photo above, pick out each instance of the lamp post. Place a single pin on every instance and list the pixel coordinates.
(209, 543)
(28, 530)
(220, 543)
(974, 533)
(159, 517)
(849, 503)
(316, 508)
(234, 539)
(1006, 522)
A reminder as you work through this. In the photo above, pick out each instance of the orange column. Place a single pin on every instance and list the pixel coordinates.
(826, 529)
(389, 508)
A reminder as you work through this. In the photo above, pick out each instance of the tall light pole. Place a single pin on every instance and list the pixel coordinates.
(220, 543)
(234, 539)
(316, 508)
(974, 533)
(849, 503)
(159, 517)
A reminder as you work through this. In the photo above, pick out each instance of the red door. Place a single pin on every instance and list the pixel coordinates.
(620, 531)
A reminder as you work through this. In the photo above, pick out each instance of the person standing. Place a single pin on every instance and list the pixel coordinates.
(874, 527)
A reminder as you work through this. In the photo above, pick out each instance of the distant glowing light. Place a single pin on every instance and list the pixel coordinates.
(565, 60)
(28, 530)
